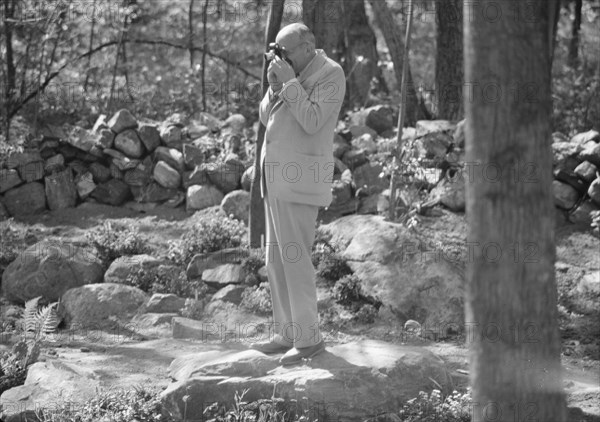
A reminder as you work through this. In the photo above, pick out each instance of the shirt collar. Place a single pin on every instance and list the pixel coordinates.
(304, 72)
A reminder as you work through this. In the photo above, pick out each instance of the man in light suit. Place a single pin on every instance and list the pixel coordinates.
(300, 111)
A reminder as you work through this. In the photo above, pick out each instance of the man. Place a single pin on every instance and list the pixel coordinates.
(300, 111)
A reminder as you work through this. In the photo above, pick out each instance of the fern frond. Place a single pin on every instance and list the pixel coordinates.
(47, 319)
(30, 314)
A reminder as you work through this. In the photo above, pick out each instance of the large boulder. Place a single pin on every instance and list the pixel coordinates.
(450, 192)
(95, 306)
(414, 278)
(161, 303)
(9, 178)
(114, 192)
(199, 197)
(125, 266)
(49, 268)
(26, 199)
(347, 382)
(225, 176)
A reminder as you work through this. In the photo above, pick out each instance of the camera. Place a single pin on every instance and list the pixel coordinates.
(274, 50)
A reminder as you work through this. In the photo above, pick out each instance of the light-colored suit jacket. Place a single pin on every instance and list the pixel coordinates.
(297, 154)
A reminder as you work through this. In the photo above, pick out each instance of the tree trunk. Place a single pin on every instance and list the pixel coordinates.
(342, 30)
(449, 59)
(257, 211)
(511, 301)
(393, 39)
(10, 88)
(574, 44)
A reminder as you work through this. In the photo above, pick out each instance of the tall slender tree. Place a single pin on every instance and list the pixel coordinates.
(257, 211)
(511, 306)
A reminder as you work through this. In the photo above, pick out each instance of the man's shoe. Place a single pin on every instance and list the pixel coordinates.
(296, 354)
(269, 347)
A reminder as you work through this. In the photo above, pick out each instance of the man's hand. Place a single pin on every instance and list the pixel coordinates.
(282, 69)
(272, 78)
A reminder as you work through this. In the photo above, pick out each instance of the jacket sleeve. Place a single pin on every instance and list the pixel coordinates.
(266, 105)
(326, 98)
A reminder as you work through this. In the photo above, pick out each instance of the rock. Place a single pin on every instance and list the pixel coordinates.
(586, 171)
(237, 202)
(340, 146)
(565, 196)
(125, 163)
(230, 293)
(115, 172)
(100, 123)
(32, 171)
(368, 204)
(189, 328)
(365, 142)
(565, 155)
(594, 191)
(368, 175)
(68, 151)
(225, 176)
(224, 274)
(150, 319)
(341, 192)
(339, 166)
(570, 178)
(210, 121)
(247, 179)
(459, 134)
(43, 381)
(196, 130)
(153, 192)
(591, 153)
(49, 268)
(171, 156)
(61, 191)
(113, 192)
(206, 261)
(166, 175)
(176, 119)
(404, 272)
(19, 159)
(150, 136)
(380, 118)
(436, 145)
(581, 215)
(129, 144)
(198, 176)
(199, 197)
(94, 305)
(54, 164)
(105, 139)
(100, 173)
(53, 132)
(122, 120)
(83, 139)
(137, 177)
(355, 158)
(357, 131)
(450, 192)
(9, 178)
(4, 215)
(192, 156)
(425, 127)
(232, 143)
(236, 122)
(85, 185)
(172, 137)
(389, 374)
(559, 137)
(125, 266)
(585, 137)
(26, 199)
(164, 303)
(590, 283)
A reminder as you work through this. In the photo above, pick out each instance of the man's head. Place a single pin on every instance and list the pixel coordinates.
(299, 44)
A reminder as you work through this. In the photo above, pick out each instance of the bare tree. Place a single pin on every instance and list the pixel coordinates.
(511, 306)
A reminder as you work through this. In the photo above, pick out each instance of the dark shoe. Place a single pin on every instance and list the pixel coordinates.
(296, 354)
(269, 347)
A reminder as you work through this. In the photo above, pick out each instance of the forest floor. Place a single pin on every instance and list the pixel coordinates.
(580, 333)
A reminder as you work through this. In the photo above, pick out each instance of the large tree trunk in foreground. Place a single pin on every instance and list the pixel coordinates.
(449, 59)
(256, 219)
(511, 311)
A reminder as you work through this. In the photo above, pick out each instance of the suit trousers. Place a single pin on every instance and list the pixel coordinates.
(290, 233)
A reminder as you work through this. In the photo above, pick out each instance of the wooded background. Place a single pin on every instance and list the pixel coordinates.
(69, 61)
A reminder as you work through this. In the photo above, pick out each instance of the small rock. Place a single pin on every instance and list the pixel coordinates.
(202, 196)
(192, 156)
(171, 156)
(224, 274)
(591, 153)
(9, 178)
(247, 179)
(237, 202)
(365, 142)
(586, 171)
(100, 173)
(26, 199)
(122, 120)
(172, 137)
(150, 136)
(355, 158)
(166, 175)
(585, 137)
(153, 192)
(113, 192)
(129, 143)
(231, 293)
(164, 303)
(594, 191)
(565, 196)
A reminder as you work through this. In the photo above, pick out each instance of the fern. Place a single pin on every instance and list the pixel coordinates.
(44, 320)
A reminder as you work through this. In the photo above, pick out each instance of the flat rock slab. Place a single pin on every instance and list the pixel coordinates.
(351, 382)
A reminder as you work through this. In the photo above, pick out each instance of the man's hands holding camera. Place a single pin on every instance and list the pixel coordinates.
(278, 73)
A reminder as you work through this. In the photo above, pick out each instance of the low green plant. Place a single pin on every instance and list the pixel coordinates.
(37, 321)
(332, 267)
(349, 293)
(193, 309)
(114, 240)
(435, 407)
(251, 265)
(142, 404)
(257, 299)
(208, 236)
(165, 279)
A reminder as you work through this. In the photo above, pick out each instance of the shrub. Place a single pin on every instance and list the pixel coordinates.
(251, 265)
(140, 404)
(165, 279)
(349, 293)
(257, 299)
(208, 236)
(436, 408)
(332, 267)
(115, 240)
(12, 242)
(193, 309)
